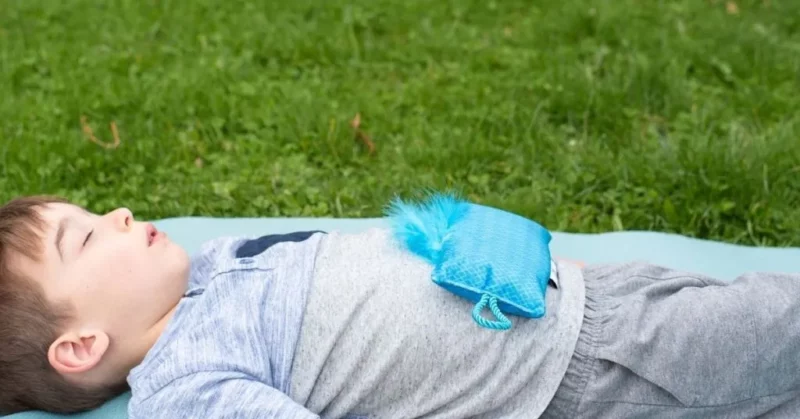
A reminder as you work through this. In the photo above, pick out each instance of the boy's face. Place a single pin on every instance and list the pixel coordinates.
(121, 277)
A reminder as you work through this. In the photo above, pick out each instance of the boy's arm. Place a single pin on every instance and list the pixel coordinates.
(217, 394)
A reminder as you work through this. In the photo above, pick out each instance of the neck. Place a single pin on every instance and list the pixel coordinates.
(136, 349)
(151, 337)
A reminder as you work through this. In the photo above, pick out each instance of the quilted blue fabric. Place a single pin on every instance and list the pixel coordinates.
(499, 254)
(491, 257)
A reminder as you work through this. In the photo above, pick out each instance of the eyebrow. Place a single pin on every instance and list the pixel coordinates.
(62, 227)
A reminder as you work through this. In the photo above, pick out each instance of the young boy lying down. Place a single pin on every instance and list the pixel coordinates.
(316, 324)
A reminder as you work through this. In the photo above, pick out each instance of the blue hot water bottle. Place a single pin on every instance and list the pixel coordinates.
(491, 257)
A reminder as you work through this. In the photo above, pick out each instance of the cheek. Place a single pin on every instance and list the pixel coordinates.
(122, 267)
(117, 271)
(126, 285)
(142, 275)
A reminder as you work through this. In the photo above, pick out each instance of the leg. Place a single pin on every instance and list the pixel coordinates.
(673, 345)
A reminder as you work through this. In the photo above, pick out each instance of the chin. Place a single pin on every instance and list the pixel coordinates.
(175, 261)
(181, 261)
(175, 251)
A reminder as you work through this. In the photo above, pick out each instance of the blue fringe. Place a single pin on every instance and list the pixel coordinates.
(423, 227)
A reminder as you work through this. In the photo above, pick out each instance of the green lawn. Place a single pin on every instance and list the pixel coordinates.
(678, 116)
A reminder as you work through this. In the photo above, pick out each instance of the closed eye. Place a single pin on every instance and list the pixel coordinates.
(88, 236)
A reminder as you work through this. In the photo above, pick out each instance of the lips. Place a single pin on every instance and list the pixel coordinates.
(152, 234)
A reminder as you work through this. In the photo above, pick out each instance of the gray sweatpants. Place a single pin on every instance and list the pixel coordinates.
(657, 343)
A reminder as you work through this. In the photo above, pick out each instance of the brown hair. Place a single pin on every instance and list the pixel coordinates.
(29, 323)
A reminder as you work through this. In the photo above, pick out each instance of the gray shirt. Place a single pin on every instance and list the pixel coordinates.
(380, 340)
(228, 349)
(309, 325)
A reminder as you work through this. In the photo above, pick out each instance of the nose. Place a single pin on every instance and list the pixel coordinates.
(122, 218)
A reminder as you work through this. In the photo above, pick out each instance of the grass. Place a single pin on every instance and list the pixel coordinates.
(590, 116)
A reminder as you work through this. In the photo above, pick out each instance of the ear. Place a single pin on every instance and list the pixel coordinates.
(77, 352)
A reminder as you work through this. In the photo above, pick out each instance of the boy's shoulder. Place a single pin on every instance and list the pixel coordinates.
(240, 288)
(204, 261)
(233, 252)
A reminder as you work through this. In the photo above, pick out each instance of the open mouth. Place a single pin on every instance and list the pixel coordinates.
(152, 234)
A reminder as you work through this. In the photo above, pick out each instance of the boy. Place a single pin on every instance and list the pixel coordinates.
(331, 325)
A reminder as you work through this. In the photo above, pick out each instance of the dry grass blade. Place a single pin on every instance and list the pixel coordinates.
(361, 135)
(89, 134)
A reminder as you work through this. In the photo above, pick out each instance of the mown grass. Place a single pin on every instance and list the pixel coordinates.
(677, 116)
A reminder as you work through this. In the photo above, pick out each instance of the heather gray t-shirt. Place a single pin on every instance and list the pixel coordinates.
(380, 340)
(304, 325)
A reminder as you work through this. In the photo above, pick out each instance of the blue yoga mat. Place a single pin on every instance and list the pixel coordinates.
(719, 260)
